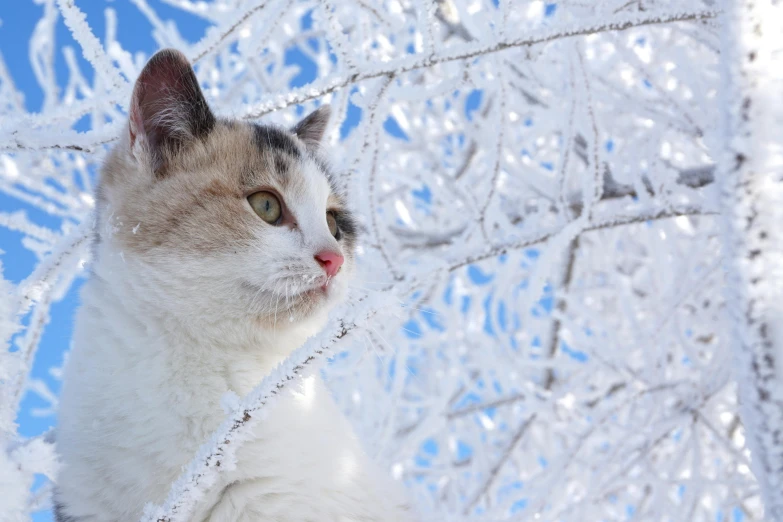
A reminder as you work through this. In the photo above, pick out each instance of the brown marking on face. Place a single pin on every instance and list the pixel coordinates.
(219, 189)
(198, 207)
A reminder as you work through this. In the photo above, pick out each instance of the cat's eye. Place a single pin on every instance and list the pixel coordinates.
(267, 206)
(331, 221)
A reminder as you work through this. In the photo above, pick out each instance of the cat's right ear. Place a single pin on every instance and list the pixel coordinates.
(167, 110)
(311, 129)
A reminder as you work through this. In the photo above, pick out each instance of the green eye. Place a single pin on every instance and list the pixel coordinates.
(332, 223)
(267, 206)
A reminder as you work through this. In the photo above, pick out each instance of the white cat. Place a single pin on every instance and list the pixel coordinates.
(220, 247)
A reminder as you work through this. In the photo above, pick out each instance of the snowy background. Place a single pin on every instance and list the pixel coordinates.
(546, 336)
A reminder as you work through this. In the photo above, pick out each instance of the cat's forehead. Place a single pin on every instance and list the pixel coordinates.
(257, 156)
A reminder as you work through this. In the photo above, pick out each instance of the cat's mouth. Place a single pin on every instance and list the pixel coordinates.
(307, 300)
(316, 292)
(319, 291)
(290, 296)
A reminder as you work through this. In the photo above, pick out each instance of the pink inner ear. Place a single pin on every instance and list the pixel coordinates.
(158, 96)
(135, 123)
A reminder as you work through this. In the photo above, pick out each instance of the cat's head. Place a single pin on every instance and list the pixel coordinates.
(221, 215)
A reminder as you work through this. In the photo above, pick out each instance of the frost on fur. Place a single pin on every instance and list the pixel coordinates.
(539, 327)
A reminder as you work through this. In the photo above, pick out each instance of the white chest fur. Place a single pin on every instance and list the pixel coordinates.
(142, 393)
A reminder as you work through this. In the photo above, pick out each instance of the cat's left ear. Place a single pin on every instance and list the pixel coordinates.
(311, 129)
(167, 109)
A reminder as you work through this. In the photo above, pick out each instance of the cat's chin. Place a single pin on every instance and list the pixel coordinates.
(305, 304)
(313, 299)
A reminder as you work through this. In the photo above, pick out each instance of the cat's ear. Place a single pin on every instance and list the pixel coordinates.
(167, 108)
(311, 129)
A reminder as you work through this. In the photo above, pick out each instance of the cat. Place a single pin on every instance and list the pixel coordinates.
(220, 247)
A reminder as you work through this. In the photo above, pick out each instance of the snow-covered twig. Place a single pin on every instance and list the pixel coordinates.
(752, 195)
(93, 51)
(597, 224)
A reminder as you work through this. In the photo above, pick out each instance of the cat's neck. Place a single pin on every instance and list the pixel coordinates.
(161, 320)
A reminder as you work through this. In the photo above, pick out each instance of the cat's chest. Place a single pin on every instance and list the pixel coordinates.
(203, 397)
(290, 433)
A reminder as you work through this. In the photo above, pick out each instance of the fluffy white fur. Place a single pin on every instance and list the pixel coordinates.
(160, 339)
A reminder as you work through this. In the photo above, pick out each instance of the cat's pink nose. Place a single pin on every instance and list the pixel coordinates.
(330, 261)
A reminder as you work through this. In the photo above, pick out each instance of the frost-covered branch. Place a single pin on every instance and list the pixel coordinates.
(87, 142)
(598, 224)
(753, 193)
(91, 47)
